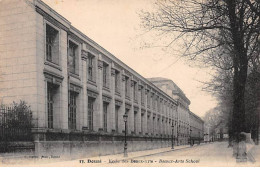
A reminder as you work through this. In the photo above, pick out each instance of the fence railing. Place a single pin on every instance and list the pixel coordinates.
(15, 124)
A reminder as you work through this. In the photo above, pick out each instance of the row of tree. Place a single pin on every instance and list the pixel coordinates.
(224, 35)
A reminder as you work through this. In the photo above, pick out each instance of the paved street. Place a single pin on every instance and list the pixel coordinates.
(213, 154)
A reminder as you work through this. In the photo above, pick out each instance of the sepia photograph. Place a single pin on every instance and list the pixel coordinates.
(129, 83)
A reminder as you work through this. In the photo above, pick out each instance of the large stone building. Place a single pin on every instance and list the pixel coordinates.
(196, 129)
(190, 127)
(78, 91)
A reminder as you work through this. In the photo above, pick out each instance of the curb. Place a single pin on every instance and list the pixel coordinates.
(128, 158)
(164, 152)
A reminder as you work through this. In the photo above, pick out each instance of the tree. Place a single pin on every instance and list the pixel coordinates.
(223, 34)
(215, 118)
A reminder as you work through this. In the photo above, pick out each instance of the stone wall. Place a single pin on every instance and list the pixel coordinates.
(83, 144)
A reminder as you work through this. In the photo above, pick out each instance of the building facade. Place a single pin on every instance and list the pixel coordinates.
(78, 91)
(183, 121)
(196, 129)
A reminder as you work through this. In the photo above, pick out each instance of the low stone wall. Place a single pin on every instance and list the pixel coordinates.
(74, 145)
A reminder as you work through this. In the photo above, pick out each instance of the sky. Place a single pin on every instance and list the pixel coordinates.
(115, 25)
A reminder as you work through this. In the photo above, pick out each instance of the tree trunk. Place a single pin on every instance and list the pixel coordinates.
(240, 64)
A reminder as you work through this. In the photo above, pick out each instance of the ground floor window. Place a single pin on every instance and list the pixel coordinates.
(126, 112)
(105, 108)
(142, 123)
(72, 110)
(51, 103)
(135, 122)
(90, 112)
(116, 117)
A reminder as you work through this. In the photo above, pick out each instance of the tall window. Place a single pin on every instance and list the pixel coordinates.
(126, 112)
(90, 67)
(142, 123)
(73, 57)
(127, 86)
(158, 126)
(135, 91)
(153, 100)
(135, 122)
(116, 117)
(105, 106)
(158, 104)
(148, 100)
(142, 96)
(72, 110)
(90, 112)
(148, 123)
(105, 75)
(50, 103)
(52, 44)
(117, 81)
(163, 127)
(153, 125)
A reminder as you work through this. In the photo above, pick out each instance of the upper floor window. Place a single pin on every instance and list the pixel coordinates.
(127, 86)
(73, 58)
(105, 75)
(148, 99)
(117, 81)
(52, 44)
(91, 67)
(142, 96)
(153, 102)
(135, 91)
(158, 104)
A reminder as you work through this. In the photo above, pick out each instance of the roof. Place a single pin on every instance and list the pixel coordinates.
(176, 89)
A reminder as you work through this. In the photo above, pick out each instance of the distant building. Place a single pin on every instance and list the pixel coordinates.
(196, 128)
(189, 125)
(207, 136)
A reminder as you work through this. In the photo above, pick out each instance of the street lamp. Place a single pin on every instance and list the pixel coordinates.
(199, 138)
(172, 136)
(125, 145)
(178, 134)
(190, 137)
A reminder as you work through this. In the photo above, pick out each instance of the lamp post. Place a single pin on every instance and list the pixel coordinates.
(125, 145)
(190, 137)
(199, 138)
(178, 133)
(172, 136)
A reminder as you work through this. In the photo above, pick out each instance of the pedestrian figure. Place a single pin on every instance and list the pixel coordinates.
(249, 147)
(241, 149)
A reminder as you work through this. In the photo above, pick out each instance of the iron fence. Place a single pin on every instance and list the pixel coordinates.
(15, 126)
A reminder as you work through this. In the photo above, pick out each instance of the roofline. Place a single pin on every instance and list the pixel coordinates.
(175, 92)
(102, 50)
(196, 116)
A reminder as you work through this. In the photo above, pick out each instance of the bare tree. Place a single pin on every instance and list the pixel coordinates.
(219, 33)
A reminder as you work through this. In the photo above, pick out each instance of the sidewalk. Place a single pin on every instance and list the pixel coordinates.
(139, 154)
(113, 160)
(106, 159)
